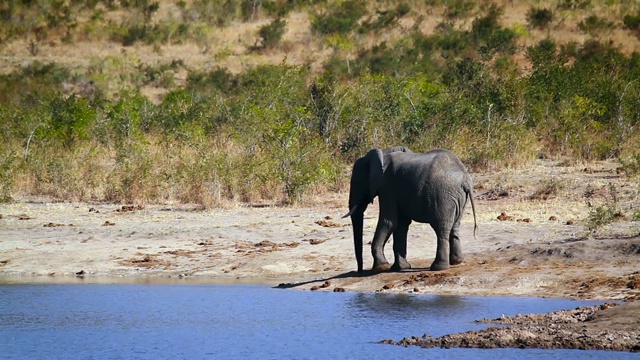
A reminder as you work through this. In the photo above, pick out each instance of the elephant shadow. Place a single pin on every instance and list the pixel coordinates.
(349, 275)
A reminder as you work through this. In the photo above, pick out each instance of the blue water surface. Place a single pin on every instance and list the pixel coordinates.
(196, 321)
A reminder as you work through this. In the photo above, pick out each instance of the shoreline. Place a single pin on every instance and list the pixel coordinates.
(552, 254)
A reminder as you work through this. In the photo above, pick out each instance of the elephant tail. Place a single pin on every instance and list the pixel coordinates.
(469, 191)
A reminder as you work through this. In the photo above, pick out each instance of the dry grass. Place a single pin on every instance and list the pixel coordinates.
(228, 46)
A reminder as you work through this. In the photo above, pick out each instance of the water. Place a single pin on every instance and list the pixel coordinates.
(182, 321)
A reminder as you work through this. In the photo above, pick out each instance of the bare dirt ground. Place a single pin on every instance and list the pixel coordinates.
(588, 328)
(540, 246)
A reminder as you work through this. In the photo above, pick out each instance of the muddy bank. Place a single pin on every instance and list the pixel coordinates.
(602, 327)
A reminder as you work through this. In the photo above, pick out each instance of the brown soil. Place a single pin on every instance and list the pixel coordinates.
(552, 254)
(600, 327)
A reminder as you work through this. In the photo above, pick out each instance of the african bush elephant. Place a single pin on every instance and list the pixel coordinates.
(428, 188)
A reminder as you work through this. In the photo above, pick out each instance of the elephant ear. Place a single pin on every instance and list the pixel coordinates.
(376, 166)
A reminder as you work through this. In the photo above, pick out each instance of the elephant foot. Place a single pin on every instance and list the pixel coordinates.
(401, 265)
(455, 260)
(380, 268)
(440, 265)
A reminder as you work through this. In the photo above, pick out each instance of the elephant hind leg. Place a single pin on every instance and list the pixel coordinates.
(455, 247)
(441, 261)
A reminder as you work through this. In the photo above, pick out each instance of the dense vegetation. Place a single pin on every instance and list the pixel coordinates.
(283, 131)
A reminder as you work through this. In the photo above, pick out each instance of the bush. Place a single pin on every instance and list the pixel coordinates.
(482, 28)
(594, 24)
(30, 84)
(129, 118)
(69, 119)
(632, 22)
(501, 41)
(384, 19)
(539, 18)
(341, 20)
(489, 36)
(458, 9)
(271, 34)
(603, 214)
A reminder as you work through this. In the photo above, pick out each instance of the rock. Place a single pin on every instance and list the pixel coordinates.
(328, 224)
(504, 217)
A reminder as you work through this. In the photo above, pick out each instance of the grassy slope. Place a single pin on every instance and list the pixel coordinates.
(228, 47)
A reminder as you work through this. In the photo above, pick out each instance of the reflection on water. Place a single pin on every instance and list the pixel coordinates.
(402, 304)
(172, 321)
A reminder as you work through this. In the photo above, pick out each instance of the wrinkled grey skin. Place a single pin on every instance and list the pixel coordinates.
(429, 188)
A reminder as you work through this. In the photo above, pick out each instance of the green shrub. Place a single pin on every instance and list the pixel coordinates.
(271, 33)
(501, 41)
(605, 213)
(31, 83)
(489, 36)
(276, 8)
(594, 24)
(129, 118)
(544, 55)
(539, 18)
(218, 78)
(632, 22)
(341, 20)
(384, 19)
(482, 28)
(181, 112)
(451, 42)
(276, 124)
(69, 119)
(458, 9)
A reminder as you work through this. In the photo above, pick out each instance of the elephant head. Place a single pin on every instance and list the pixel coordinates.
(366, 179)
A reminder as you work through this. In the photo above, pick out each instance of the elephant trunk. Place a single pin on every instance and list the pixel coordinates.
(357, 224)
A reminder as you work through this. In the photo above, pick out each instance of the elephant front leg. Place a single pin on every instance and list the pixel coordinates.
(383, 232)
(400, 246)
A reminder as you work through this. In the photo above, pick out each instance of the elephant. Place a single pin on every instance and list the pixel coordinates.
(428, 188)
